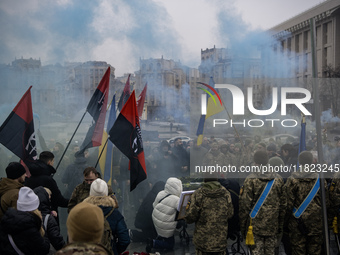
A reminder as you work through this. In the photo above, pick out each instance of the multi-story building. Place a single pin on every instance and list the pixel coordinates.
(292, 50)
(224, 67)
(169, 88)
(85, 77)
(58, 92)
(294, 39)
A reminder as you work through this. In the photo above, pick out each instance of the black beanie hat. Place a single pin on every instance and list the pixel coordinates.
(261, 157)
(14, 170)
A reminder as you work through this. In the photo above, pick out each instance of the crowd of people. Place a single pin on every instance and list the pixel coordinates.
(265, 209)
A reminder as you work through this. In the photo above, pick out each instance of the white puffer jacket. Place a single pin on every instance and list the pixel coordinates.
(164, 212)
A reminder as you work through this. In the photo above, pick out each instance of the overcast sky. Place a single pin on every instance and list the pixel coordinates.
(120, 32)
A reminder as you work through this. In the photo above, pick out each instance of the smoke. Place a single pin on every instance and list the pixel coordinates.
(117, 32)
(327, 117)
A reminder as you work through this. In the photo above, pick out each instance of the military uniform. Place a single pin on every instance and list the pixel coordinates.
(305, 233)
(210, 208)
(83, 249)
(268, 223)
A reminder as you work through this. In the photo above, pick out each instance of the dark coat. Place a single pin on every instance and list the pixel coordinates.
(52, 231)
(41, 175)
(25, 230)
(73, 174)
(115, 219)
(143, 218)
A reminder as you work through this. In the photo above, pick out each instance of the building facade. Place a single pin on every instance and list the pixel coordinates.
(170, 88)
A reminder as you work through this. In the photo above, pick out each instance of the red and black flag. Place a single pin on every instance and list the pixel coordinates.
(17, 131)
(125, 95)
(141, 100)
(126, 135)
(97, 109)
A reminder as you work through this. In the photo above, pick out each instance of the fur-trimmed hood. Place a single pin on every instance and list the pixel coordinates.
(105, 201)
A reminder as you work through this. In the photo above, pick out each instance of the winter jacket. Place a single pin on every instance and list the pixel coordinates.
(269, 219)
(41, 175)
(298, 187)
(164, 212)
(52, 231)
(115, 219)
(24, 227)
(143, 218)
(9, 190)
(210, 208)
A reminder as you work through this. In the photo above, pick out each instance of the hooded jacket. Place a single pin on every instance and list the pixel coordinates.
(41, 175)
(270, 218)
(210, 208)
(164, 212)
(9, 190)
(25, 230)
(115, 219)
(52, 231)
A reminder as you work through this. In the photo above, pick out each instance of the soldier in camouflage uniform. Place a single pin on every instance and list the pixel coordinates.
(334, 199)
(210, 208)
(85, 227)
(214, 156)
(268, 223)
(305, 232)
(82, 191)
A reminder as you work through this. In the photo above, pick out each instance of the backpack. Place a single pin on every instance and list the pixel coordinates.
(108, 237)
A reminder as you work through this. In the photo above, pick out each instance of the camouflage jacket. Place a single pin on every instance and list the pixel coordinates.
(270, 218)
(298, 186)
(81, 192)
(210, 208)
(84, 249)
(334, 197)
(213, 158)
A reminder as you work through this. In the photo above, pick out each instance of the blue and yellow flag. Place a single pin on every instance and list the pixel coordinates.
(105, 162)
(214, 106)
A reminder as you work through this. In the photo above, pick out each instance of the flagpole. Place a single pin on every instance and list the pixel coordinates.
(318, 131)
(101, 152)
(68, 144)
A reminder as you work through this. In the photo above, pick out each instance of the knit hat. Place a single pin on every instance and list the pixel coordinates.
(27, 201)
(14, 170)
(85, 223)
(276, 161)
(99, 188)
(305, 158)
(261, 158)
